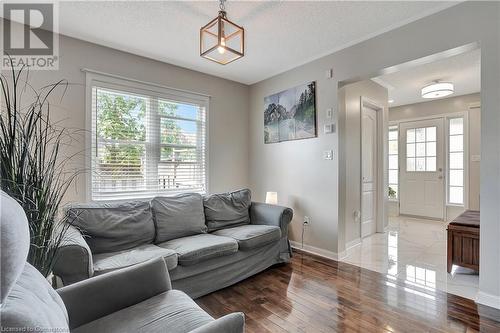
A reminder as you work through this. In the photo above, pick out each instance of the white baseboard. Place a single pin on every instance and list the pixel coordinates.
(317, 251)
(488, 299)
(353, 243)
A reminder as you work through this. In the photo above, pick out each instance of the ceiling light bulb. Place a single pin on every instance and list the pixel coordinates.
(438, 89)
(391, 101)
(222, 43)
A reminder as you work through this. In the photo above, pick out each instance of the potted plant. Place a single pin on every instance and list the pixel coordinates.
(392, 193)
(32, 168)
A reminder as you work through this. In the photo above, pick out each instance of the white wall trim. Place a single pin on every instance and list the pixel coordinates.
(318, 251)
(355, 242)
(488, 299)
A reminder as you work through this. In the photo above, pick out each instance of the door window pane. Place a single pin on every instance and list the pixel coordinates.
(431, 149)
(410, 164)
(393, 147)
(393, 133)
(456, 160)
(456, 195)
(410, 150)
(420, 164)
(456, 177)
(456, 126)
(420, 135)
(422, 146)
(410, 135)
(430, 133)
(430, 164)
(421, 149)
(393, 176)
(456, 143)
(393, 162)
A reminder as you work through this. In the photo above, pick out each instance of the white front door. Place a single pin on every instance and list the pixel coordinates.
(422, 165)
(368, 171)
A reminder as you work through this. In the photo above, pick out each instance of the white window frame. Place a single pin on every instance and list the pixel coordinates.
(117, 82)
(464, 116)
(392, 124)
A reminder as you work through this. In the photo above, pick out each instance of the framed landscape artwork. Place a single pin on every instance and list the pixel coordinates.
(290, 114)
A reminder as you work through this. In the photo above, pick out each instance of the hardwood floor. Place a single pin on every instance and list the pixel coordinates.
(312, 294)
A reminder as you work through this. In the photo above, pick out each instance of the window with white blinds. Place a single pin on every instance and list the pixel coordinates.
(146, 142)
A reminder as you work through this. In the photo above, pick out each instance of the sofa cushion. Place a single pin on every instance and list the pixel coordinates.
(114, 227)
(178, 216)
(172, 312)
(251, 236)
(227, 209)
(107, 262)
(193, 249)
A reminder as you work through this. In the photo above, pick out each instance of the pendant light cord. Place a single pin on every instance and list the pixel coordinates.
(221, 5)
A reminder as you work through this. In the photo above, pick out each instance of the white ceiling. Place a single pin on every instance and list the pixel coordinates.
(464, 71)
(280, 35)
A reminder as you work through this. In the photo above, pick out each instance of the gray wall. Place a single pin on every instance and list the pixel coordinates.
(227, 119)
(311, 185)
(350, 157)
(443, 107)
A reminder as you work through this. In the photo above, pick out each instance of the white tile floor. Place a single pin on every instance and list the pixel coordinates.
(414, 250)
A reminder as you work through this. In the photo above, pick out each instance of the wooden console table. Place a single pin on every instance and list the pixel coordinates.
(463, 241)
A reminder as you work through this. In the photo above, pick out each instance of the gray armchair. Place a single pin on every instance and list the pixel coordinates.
(134, 299)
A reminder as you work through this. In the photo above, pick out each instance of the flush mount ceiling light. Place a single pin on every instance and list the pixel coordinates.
(221, 40)
(437, 90)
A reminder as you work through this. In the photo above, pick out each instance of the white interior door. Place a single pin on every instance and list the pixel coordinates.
(422, 164)
(368, 171)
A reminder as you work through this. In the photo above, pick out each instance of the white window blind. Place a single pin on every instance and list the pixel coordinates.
(146, 142)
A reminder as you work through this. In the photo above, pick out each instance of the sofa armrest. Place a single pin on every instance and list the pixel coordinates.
(261, 213)
(102, 295)
(73, 262)
(231, 323)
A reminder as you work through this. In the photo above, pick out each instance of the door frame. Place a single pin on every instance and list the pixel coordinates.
(445, 117)
(382, 173)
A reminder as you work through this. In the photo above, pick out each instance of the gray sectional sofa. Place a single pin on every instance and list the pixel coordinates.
(208, 243)
(134, 299)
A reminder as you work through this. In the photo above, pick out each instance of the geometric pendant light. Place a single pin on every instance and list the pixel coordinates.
(221, 40)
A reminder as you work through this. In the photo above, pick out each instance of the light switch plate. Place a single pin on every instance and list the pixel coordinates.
(329, 113)
(329, 128)
(329, 73)
(328, 154)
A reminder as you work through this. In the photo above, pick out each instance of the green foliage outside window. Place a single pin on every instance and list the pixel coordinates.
(123, 118)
